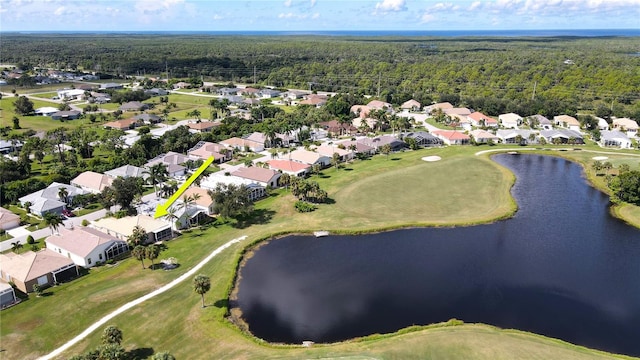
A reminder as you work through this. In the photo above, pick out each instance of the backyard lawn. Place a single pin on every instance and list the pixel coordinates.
(421, 193)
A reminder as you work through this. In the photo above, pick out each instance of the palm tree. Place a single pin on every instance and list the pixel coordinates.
(53, 221)
(172, 217)
(27, 206)
(111, 335)
(15, 246)
(201, 285)
(187, 201)
(63, 194)
(157, 174)
(139, 253)
(151, 253)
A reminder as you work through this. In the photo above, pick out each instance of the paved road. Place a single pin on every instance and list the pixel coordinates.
(93, 327)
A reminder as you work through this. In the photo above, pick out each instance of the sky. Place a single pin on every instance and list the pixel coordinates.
(316, 15)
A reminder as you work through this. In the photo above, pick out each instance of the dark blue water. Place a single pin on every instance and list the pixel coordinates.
(562, 267)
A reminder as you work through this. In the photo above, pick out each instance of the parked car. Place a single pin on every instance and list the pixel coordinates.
(68, 213)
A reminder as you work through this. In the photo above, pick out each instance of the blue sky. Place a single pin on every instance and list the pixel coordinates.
(313, 15)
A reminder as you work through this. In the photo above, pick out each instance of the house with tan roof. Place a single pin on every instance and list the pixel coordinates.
(360, 148)
(411, 105)
(314, 100)
(290, 167)
(92, 182)
(190, 213)
(329, 150)
(123, 124)
(464, 112)
(157, 230)
(8, 220)
(380, 105)
(258, 175)
(242, 144)
(335, 128)
(359, 123)
(510, 120)
(452, 137)
(43, 267)
(630, 127)
(309, 157)
(362, 111)
(173, 162)
(567, 122)
(85, 246)
(479, 119)
(203, 126)
(483, 136)
(442, 106)
(204, 150)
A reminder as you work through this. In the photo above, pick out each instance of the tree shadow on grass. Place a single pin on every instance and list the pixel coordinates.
(222, 303)
(259, 216)
(395, 159)
(139, 354)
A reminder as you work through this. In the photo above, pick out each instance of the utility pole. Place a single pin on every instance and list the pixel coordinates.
(166, 66)
(379, 79)
(533, 96)
(254, 75)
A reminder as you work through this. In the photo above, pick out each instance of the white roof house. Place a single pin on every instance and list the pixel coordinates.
(627, 125)
(510, 120)
(48, 200)
(122, 228)
(614, 138)
(309, 157)
(85, 246)
(92, 182)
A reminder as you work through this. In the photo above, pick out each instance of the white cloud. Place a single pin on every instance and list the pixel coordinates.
(315, 16)
(287, 3)
(476, 5)
(313, 3)
(391, 5)
(217, 17)
(426, 18)
(59, 11)
(558, 7)
(291, 15)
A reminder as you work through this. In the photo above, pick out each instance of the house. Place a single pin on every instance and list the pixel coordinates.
(329, 150)
(241, 113)
(194, 212)
(258, 175)
(182, 85)
(126, 171)
(602, 124)
(483, 137)
(173, 161)
(360, 148)
(380, 105)
(462, 112)
(360, 123)
(562, 136)
(242, 144)
(43, 267)
(148, 118)
(361, 111)
(10, 146)
(379, 141)
(411, 105)
(156, 92)
(48, 199)
(255, 191)
(261, 138)
(248, 91)
(567, 122)
(614, 138)
(85, 246)
(627, 125)
(540, 122)
(133, 106)
(252, 102)
(157, 230)
(452, 137)
(461, 121)
(71, 94)
(123, 124)
(46, 111)
(517, 136)
(479, 119)
(336, 128)
(423, 138)
(269, 93)
(92, 182)
(204, 150)
(7, 295)
(111, 86)
(442, 106)
(510, 120)
(309, 157)
(295, 94)
(290, 167)
(225, 91)
(8, 220)
(66, 115)
(203, 126)
(314, 100)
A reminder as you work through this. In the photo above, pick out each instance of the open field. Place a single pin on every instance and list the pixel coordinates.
(175, 322)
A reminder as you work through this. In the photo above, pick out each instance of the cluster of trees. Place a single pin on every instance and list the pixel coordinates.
(231, 201)
(111, 348)
(504, 71)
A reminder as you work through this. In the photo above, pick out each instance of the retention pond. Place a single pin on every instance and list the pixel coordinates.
(561, 267)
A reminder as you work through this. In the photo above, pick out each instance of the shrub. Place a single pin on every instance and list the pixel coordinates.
(303, 206)
(30, 240)
(85, 222)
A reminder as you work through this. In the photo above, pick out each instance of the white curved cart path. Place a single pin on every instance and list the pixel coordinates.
(139, 300)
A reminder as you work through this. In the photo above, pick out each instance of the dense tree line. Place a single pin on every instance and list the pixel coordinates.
(502, 70)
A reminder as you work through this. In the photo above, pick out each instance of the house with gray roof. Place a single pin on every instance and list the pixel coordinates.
(382, 140)
(148, 118)
(126, 171)
(423, 138)
(517, 136)
(133, 106)
(540, 122)
(48, 200)
(269, 93)
(66, 115)
(614, 138)
(562, 136)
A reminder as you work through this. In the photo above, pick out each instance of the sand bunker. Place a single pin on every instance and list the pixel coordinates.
(600, 158)
(431, 158)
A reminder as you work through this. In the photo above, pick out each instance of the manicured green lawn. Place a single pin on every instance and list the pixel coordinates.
(421, 193)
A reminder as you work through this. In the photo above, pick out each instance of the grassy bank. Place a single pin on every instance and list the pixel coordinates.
(381, 193)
